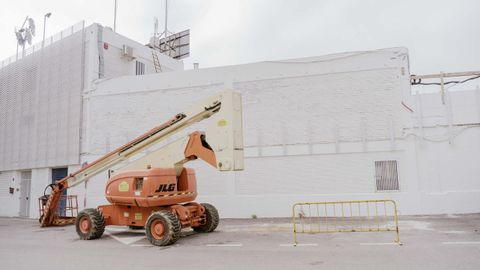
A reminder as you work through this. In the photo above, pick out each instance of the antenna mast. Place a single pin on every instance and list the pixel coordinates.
(175, 45)
(165, 32)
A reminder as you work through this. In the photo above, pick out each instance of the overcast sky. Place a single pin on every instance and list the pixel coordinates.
(440, 35)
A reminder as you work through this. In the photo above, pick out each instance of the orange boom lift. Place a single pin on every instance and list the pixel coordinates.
(150, 186)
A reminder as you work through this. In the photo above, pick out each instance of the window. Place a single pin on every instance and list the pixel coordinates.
(386, 175)
(139, 68)
(138, 184)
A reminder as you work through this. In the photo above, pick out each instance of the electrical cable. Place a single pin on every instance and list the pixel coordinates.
(441, 138)
(419, 81)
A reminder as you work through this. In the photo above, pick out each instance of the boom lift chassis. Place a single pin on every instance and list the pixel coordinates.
(154, 190)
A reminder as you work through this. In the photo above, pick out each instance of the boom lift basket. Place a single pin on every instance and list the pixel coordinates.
(66, 211)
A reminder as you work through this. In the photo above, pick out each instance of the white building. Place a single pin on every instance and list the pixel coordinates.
(336, 127)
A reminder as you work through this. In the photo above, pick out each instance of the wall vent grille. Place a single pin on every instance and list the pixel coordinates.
(139, 68)
(386, 175)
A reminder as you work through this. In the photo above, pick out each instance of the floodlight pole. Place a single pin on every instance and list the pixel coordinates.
(115, 17)
(45, 26)
(166, 19)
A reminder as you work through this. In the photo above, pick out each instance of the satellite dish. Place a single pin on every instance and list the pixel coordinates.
(25, 34)
(20, 39)
(31, 26)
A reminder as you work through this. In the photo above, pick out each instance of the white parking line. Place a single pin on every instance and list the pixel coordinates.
(126, 240)
(461, 243)
(299, 245)
(378, 244)
(224, 245)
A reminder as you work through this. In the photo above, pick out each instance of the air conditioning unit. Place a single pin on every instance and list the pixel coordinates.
(127, 52)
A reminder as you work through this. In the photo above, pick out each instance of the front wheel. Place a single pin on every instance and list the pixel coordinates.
(163, 228)
(90, 224)
(211, 219)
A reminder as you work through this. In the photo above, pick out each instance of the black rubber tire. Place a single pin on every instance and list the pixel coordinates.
(212, 219)
(97, 224)
(136, 227)
(171, 225)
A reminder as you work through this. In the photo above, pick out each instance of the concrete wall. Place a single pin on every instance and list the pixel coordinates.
(313, 128)
(117, 65)
(9, 203)
(40, 178)
(104, 59)
(446, 136)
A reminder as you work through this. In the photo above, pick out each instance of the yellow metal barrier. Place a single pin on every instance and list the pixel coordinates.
(345, 216)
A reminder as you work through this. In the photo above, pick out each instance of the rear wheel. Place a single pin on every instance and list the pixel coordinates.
(211, 219)
(163, 228)
(90, 224)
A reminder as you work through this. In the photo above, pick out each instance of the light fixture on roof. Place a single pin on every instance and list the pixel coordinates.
(45, 26)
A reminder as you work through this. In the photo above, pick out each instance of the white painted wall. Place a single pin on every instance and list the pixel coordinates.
(446, 136)
(40, 179)
(313, 128)
(116, 65)
(9, 203)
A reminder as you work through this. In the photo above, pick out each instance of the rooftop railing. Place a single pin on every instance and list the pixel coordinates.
(43, 44)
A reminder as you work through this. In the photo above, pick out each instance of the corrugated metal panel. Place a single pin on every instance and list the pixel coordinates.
(40, 101)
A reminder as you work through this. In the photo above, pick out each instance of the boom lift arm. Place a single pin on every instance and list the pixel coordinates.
(223, 150)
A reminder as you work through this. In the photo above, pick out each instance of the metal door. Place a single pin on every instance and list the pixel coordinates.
(58, 174)
(25, 180)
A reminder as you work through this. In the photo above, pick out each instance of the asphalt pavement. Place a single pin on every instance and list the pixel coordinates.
(429, 242)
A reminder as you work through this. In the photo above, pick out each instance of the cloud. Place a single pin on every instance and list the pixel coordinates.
(440, 35)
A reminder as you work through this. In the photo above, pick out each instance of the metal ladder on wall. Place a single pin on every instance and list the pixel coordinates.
(156, 62)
